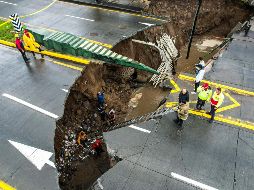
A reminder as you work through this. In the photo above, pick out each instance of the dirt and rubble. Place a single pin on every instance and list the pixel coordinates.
(79, 166)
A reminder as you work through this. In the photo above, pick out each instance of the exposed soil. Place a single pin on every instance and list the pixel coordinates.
(78, 167)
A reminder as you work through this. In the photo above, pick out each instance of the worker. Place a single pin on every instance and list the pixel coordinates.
(30, 42)
(204, 95)
(199, 77)
(101, 99)
(21, 48)
(182, 114)
(216, 101)
(183, 96)
(112, 116)
(201, 63)
(97, 147)
(82, 138)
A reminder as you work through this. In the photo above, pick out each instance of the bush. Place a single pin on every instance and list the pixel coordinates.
(7, 32)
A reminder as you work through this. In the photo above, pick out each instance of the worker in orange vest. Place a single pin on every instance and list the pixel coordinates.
(216, 101)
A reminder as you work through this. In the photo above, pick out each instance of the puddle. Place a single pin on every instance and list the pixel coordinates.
(151, 97)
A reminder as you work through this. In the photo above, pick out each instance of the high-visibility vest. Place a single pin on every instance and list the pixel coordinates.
(204, 94)
(217, 99)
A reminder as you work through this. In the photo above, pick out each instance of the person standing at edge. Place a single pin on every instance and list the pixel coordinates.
(184, 96)
(216, 101)
(204, 95)
(21, 48)
(30, 42)
(199, 77)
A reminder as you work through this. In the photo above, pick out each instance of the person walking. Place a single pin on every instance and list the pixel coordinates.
(21, 48)
(30, 42)
(216, 101)
(204, 95)
(184, 96)
(199, 78)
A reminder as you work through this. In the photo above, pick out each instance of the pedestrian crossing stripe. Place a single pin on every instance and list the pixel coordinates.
(98, 49)
(103, 51)
(109, 52)
(83, 44)
(88, 46)
(16, 22)
(113, 55)
(93, 47)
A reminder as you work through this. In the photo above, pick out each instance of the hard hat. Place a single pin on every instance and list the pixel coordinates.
(205, 85)
(16, 35)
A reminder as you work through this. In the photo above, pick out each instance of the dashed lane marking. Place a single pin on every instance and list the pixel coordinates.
(146, 24)
(8, 3)
(140, 129)
(192, 182)
(236, 90)
(30, 105)
(65, 90)
(5, 186)
(91, 20)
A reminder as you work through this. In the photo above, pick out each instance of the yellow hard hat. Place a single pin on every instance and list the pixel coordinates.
(16, 35)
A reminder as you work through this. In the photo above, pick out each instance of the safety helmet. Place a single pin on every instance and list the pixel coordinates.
(205, 85)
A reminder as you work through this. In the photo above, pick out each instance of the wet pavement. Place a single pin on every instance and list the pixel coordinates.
(107, 26)
(218, 155)
(39, 84)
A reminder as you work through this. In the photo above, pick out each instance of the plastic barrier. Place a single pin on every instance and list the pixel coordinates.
(69, 44)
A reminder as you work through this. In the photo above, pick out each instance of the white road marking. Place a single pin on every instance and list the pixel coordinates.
(65, 90)
(30, 105)
(147, 24)
(140, 129)
(8, 3)
(80, 18)
(192, 182)
(37, 156)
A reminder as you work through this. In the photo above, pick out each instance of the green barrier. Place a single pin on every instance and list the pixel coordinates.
(69, 44)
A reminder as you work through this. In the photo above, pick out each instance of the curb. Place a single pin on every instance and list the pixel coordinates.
(51, 54)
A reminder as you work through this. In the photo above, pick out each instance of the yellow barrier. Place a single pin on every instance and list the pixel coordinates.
(53, 54)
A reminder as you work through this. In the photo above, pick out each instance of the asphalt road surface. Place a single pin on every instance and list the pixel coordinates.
(103, 25)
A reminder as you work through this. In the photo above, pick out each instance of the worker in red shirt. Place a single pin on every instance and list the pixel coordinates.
(216, 101)
(21, 48)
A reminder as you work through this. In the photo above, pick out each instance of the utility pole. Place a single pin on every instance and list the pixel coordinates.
(193, 27)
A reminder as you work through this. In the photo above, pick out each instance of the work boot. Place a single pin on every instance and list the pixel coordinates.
(209, 113)
(176, 121)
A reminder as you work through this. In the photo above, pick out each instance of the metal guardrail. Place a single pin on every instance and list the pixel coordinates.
(153, 115)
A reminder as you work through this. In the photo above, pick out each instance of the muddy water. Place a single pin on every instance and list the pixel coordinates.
(151, 97)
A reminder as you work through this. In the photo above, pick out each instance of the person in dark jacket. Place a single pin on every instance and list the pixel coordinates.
(21, 48)
(184, 96)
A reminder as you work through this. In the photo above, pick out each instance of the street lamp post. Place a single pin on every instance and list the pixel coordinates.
(193, 27)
